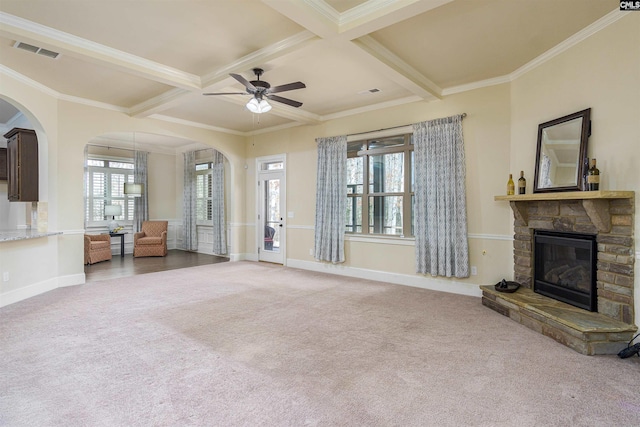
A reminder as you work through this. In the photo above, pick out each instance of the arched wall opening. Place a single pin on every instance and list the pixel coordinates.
(23, 215)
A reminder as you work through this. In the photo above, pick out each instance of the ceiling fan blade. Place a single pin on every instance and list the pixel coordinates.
(250, 87)
(227, 93)
(284, 88)
(284, 100)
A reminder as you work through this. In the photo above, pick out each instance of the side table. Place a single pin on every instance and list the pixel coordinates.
(121, 235)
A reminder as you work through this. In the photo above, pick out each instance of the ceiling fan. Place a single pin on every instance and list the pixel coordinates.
(260, 90)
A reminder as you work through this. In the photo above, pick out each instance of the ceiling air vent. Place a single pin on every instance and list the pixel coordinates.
(37, 50)
(364, 92)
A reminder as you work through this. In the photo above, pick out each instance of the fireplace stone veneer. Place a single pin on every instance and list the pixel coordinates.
(610, 216)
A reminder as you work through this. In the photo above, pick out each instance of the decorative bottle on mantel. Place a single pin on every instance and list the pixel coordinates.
(593, 177)
(522, 184)
(510, 186)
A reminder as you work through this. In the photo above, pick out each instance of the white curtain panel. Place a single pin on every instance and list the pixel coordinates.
(189, 214)
(331, 199)
(440, 211)
(217, 204)
(141, 211)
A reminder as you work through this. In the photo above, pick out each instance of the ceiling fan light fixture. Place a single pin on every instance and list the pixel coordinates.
(258, 106)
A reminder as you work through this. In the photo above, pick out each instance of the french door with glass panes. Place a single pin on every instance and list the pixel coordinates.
(271, 209)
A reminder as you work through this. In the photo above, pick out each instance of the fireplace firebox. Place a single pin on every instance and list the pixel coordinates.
(565, 267)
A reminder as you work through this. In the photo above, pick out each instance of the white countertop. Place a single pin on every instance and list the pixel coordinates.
(12, 235)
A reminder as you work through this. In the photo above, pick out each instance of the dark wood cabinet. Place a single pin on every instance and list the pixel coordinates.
(3, 164)
(22, 165)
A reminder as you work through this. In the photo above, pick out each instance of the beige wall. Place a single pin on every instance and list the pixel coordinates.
(162, 190)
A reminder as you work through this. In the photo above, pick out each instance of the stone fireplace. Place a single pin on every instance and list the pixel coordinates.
(607, 215)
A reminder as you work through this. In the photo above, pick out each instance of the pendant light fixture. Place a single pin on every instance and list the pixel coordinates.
(133, 189)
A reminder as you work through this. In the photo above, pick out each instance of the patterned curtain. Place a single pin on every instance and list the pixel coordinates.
(217, 204)
(545, 172)
(86, 183)
(189, 214)
(440, 212)
(141, 204)
(331, 199)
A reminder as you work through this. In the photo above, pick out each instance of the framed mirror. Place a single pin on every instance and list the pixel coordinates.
(562, 153)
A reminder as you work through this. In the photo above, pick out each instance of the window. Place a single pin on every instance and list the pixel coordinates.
(380, 186)
(105, 186)
(203, 191)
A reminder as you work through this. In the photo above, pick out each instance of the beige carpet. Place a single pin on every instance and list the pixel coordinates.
(247, 344)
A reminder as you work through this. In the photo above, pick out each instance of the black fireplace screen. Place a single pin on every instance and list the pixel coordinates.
(565, 267)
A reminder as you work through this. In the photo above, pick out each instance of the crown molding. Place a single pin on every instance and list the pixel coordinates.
(372, 107)
(57, 95)
(476, 85)
(92, 103)
(29, 82)
(578, 37)
(274, 128)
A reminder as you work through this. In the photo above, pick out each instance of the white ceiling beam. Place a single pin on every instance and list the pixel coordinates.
(374, 15)
(316, 16)
(350, 31)
(260, 57)
(21, 29)
(162, 102)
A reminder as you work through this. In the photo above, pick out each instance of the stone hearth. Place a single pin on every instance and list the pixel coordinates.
(610, 216)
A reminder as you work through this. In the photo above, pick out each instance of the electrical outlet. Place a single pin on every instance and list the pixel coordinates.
(474, 270)
(311, 251)
(5, 276)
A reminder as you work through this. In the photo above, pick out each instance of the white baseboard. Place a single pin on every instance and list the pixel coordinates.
(424, 282)
(71, 280)
(40, 288)
(28, 292)
(243, 257)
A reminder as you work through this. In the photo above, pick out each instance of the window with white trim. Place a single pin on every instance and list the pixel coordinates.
(380, 186)
(204, 179)
(105, 186)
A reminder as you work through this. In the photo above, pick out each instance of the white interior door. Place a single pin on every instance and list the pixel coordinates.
(271, 209)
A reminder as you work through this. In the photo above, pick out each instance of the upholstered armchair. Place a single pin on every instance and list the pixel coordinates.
(97, 247)
(151, 240)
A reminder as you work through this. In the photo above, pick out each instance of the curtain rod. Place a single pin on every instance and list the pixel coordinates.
(463, 115)
(110, 147)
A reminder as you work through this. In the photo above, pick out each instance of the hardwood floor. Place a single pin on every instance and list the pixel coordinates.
(129, 266)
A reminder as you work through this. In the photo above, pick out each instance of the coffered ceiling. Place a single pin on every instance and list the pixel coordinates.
(156, 58)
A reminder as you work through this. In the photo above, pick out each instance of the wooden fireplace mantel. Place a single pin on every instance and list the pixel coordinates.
(595, 203)
(568, 195)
